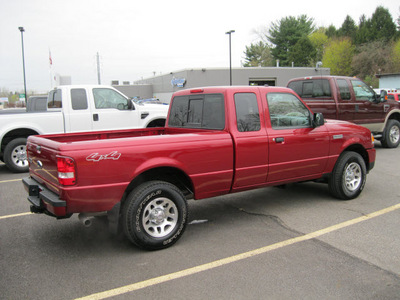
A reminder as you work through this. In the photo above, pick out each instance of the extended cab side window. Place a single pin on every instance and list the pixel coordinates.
(198, 111)
(315, 88)
(54, 99)
(108, 98)
(247, 114)
(344, 89)
(287, 111)
(79, 99)
(362, 91)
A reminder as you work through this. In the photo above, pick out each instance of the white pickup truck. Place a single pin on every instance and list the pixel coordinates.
(74, 108)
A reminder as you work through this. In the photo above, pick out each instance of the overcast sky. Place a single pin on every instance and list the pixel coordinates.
(136, 38)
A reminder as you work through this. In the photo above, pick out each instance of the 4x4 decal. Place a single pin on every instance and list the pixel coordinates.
(115, 155)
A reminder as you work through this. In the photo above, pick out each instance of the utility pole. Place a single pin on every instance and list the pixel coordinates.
(98, 68)
(21, 29)
(230, 55)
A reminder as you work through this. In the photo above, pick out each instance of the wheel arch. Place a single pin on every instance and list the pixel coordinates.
(172, 175)
(16, 133)
(395, 115)
(360, 150)
(159, 122)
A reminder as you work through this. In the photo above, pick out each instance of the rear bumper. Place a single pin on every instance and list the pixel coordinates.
(43, 200)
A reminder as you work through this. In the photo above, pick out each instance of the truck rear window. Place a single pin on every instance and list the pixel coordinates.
(198, 111)
(315, 88)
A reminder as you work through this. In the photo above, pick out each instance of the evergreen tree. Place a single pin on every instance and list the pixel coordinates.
(331, 32)
(363, 33)
(348, 29)
(382, 25)
(258, 55)
(284, 35)
(303, 54)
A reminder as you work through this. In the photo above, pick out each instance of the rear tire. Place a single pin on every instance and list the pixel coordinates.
(154, 215)
(15, 156)
(348, 177)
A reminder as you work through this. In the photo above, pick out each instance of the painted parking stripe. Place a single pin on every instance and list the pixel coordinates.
(235, 258)
(15, 215)
(11, 180)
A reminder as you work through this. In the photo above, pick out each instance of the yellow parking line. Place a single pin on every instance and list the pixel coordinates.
(11, 180)
(16, 215)
(235, 258)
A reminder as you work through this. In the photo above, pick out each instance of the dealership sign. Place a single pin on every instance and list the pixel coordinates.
(179, 82)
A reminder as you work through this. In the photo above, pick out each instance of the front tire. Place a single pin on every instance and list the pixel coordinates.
(391, 135)
(348, 177)
(15, 156)
(155, 215)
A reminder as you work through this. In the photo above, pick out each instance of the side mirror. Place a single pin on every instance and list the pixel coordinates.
(383, 96)
(131, 105)
(318, 120)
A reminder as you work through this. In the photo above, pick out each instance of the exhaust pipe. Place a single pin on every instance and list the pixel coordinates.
(87, 218)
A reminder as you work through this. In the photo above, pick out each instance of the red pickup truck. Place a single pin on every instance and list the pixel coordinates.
(217, 140)
(351, 99)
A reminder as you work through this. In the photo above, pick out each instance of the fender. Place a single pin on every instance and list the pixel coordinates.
(393, 114)
(159, 162)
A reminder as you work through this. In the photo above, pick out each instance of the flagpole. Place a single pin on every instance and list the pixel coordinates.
(50, 70)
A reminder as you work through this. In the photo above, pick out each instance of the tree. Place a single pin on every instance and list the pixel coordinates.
(331, 31)
(396, 56)
(382, 25)
(363, 34)
(338, 56)
(303, 53)
(373, 58)
(319, 39)
(284, 35)
(258, 55)
(348, 29)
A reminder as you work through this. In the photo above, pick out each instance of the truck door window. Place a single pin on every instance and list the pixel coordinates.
(247, 114)
(362, 91)
(54, 99)
(107, 98)
(200, 111)
(79, 99)
(287, 111)
(344, 89)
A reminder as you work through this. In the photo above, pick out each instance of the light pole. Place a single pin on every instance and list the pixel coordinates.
(230, 55)
(23, 59)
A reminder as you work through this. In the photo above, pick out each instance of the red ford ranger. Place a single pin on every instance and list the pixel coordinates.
(217, 140)
(351, 99)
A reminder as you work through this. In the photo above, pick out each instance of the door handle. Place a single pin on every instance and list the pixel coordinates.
(95, 117)
(279, 140)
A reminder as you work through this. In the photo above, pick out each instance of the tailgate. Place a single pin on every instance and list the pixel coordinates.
(42, 163)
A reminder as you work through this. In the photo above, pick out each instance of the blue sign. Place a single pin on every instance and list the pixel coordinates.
(179, 82)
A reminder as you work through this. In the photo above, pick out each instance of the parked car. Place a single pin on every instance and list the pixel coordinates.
(72, 108)
(351, 99)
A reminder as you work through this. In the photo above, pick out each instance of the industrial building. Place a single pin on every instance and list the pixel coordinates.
(162, 86)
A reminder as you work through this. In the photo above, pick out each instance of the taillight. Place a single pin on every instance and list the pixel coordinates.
(66, 170)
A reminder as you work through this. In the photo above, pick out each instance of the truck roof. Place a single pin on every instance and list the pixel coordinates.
(322, 77)
(222, 89)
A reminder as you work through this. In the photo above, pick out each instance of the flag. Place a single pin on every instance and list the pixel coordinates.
(50, 60)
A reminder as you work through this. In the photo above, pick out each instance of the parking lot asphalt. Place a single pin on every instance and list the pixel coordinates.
(292, 243)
